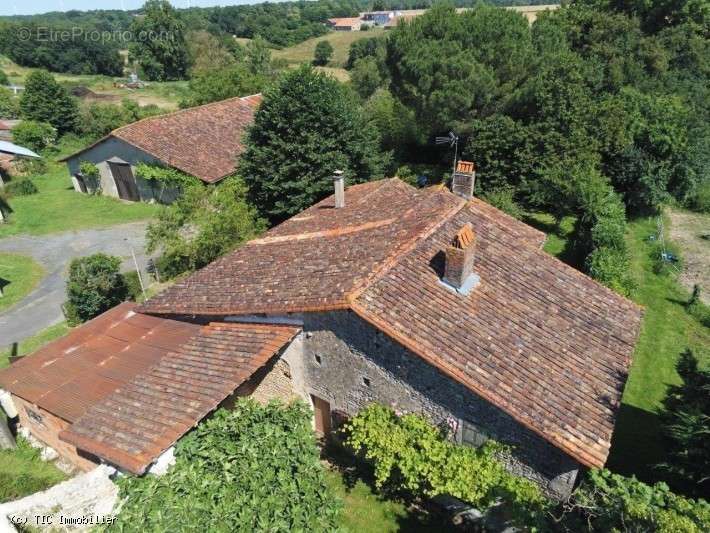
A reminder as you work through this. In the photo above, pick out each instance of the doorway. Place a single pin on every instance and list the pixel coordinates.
(321, 413)
(125, 182)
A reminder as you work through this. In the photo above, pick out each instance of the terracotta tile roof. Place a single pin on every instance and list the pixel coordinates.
(542, 341)
(203, 141)
(69, 375)
(148, 414)
(345, 21)
(313, 260)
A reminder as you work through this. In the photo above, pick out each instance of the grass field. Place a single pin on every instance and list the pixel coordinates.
(340, 40)
(19, 275)
(30, 344)
(164, 94)
(666, 331)
(58, 207)
(23, 472)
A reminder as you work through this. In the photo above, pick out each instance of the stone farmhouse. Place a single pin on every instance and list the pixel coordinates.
(426, 300)
(203, 141)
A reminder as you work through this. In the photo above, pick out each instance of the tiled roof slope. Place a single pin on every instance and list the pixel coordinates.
(537, 338)
(69, 375)
(314, 260)
(203, 141)
(148, 414)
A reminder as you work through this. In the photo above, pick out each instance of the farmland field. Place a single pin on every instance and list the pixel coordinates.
(340, 40)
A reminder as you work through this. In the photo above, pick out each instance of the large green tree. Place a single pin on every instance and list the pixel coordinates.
(95, 285)
(308, 126)
(686, 425)
(159, 44)
(44, 100)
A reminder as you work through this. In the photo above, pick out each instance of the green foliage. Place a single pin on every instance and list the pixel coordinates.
(323, 53)
(44, 100)
(365, 77)
(159, 45)
(666, 258)
(9, 105)
(686, 426)
(253, 468)
(410, 454)
(21, 187)
(202, 224)
(700, 200)
(24, 472)
(89, 169)
(610, 502)
(165, 176)
(133, 285)
(207, 52)
(4, 80)
(370, 47)
(504, 199)
(95, 285)
(395, 123)
(307, 126)
(97, 120)
(216, 85)
(42, 46)
(34, 135)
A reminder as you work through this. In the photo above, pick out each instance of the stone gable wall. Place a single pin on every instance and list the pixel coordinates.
(360, 365)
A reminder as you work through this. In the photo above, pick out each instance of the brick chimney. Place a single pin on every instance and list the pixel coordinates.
(458, 270)
(463, 180)
(339, 182)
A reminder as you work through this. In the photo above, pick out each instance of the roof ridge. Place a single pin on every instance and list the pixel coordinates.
(182, 111)
(403, 249)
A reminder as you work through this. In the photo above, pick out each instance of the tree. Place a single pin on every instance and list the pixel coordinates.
(97, 120)
(4, 80)
(223, 480)
(159, 44)
(34, 135)
(44, 100)
(308, 126)
(258, 56)
(204, 223)
(95, 285)
(207, 53)
(323, 53)
(9, 105)
(365, 77)
(215, 85)
(686, 425)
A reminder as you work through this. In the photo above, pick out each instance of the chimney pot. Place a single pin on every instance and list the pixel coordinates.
(339, 183)
(463, 179)
(458, 270)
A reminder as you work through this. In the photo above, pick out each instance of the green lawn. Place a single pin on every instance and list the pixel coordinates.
(58, 207)
(19, 275)
(667, 329)
(24, 473)
(340, 40)
(31, 344)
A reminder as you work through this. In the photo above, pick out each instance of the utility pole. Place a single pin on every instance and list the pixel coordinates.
(138, 270)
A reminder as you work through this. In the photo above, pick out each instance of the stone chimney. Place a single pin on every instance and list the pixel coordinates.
(458, 270)
(463, 180)
(339, 182)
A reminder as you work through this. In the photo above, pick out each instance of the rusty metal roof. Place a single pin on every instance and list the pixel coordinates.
(69, 375)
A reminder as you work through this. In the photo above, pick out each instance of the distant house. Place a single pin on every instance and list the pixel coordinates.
(203, 141)
(426, 300)
(345, 23)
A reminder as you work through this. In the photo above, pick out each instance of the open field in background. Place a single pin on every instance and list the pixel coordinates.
(340, 40)
(33, 343)
(19, 275)
(164, 94)
(691, 231)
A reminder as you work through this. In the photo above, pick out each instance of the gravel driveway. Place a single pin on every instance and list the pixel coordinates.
(42, 307)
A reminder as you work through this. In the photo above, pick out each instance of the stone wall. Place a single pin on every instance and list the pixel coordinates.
(350, 364)
(45, 427)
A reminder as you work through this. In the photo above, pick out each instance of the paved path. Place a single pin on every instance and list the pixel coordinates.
(42, 307)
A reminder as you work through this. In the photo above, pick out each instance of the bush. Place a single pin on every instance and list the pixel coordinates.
(95, 285)
(700, 201)
(410, 454)
(21, 187)
(9, 105)
(4, 80)
(44, 100)
(504, 200)
(253, 468)
(323, 53)
(30, 166)
(133, 286)
(34, 135)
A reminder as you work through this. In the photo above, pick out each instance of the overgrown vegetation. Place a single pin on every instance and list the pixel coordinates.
(23, 472)
(95, 285)
(253, 468)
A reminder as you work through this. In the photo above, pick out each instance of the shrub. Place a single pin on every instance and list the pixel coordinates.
(4, 80)
(133, 286)
(9, 105)
(254, 468)
(21, 187)
(34, 135)
(30, 166)
(410, 454)
(700, 201)
(323, 53)
(666, 259)
(503, 199)
(44, 100)
(95, 285)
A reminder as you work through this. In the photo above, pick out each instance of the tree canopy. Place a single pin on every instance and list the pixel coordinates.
(44, 100)
(308, 126)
